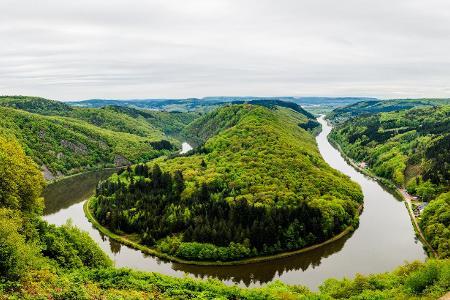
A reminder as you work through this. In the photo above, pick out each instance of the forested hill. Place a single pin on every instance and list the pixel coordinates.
(376, 106)
(256, 186)
(411, 148)
(64, 140)
(43, 261)
(274, 102)
(218, 120)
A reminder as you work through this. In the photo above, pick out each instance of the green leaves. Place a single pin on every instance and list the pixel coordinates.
(16, 255)
(21, 182)
(260, 173)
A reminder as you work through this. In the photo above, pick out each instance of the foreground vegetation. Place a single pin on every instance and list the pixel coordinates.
(257, 185)
(411, 148)
(65, 140)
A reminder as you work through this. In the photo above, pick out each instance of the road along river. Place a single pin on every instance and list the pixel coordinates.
(384, 239)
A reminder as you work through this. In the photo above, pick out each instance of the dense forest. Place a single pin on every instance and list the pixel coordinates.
(42, 261)
(412, 149)
(374, 106)
(64, 140)
(255, 185)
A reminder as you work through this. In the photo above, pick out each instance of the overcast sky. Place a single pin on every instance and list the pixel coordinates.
(69, 50)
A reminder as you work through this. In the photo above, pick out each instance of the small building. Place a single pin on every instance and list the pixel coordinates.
(419, 209)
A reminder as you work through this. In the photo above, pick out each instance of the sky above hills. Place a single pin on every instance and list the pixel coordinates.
(164, 48)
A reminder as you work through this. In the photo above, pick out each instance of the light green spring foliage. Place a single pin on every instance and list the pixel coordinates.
(41, 261)
(411, 148)
(146, 123)
(66, 145)
(21, 182)
(416, 280)
(435, 223)
(16, 255)
(377, 106)
(262, 155)
(408, 147)
(26, 242)
(69, 140)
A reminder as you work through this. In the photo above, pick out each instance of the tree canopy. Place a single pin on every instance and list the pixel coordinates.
(256, 184)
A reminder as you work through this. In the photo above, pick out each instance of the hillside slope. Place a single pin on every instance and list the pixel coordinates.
(257, 185)
(377, 106)
(65, 140)
(412, 149)
(42, 261)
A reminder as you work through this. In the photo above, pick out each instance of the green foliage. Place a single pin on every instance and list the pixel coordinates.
(21, 183)
(26, 242)
(41, 261)
(70, 141)
(412, 148)
(256, 186)
(35, 104)
(377, 106)
(70, 247)
(16, 255)
(146, 123)
(401, 146)
(429, 280)
(435, 223)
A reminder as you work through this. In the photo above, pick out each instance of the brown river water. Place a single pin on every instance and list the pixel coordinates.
(384, 239)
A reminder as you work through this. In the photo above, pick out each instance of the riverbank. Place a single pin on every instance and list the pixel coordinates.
(92, 170)
(396, 191)
(154, 252)
(382, 241)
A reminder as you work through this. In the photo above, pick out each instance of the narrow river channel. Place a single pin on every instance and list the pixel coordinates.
(384, 239)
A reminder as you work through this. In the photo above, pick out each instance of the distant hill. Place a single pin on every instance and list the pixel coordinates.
(375, 106)
(35, 104)
(62, 139)
(209, 103)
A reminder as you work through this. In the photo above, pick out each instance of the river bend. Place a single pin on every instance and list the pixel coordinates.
(384, 239)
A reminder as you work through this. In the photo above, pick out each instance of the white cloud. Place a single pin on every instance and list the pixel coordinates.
(167, 48)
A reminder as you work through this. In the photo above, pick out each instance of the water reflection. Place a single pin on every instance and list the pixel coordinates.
(266, 271)
(63, 194)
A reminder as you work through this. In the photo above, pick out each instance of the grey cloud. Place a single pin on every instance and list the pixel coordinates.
(174, 48)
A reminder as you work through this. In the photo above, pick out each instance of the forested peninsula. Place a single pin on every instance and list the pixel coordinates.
(255, 185)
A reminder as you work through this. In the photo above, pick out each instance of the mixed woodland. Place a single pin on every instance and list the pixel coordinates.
(43, 261)
(373, 106)
(255, 185)
(64, 140)
(411, 148)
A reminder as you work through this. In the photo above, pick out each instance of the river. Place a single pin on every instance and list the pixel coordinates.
(384, 239)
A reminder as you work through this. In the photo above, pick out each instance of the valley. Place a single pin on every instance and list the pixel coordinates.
(268, 160)
(369, 246)
(407, 150)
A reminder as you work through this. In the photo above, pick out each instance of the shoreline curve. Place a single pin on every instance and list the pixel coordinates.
(257, 259)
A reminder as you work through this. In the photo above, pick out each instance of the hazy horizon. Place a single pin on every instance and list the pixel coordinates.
(181, 49)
